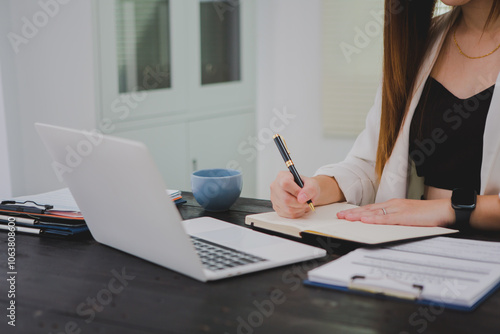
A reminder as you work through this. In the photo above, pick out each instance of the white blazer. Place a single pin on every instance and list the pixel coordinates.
(356, 175)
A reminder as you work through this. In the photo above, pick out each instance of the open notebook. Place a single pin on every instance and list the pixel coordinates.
(325, 222)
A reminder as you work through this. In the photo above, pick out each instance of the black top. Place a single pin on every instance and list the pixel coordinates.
(446, 137)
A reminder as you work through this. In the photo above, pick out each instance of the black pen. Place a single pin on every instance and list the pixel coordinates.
(285, 153)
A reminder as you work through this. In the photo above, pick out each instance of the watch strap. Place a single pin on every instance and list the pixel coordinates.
(462, 219)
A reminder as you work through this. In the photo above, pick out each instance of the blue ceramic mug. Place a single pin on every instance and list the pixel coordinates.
(216, 189)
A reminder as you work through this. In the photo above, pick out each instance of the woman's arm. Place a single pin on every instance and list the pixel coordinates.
(437, 212)
(330, 191)
(486, 216)
(353, 180)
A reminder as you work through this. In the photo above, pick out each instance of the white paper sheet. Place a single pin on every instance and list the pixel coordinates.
(449, 270)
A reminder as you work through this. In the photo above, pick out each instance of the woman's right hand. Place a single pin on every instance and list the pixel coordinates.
(289, 200)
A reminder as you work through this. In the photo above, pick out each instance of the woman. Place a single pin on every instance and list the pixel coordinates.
(434, 127)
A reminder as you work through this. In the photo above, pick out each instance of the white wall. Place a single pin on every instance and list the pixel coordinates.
(289, 76)
(51, 80)
(5, 185)
(8, 108)
(55, 83)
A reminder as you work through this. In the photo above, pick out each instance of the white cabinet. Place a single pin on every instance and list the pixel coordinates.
(179, 75)
(169, 148)
(218, 142)
(142, 62)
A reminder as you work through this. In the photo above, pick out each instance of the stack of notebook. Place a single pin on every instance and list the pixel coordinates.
(53, 213)
(176, 196)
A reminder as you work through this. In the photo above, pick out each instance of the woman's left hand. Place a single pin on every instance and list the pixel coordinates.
(404, 212)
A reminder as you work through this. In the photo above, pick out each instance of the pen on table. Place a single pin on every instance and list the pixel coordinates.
(280, 143)
(19, 219)
(22, 229)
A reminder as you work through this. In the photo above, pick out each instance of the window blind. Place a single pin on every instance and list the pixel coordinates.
(352, 63)
(143, 44)
(352, 50)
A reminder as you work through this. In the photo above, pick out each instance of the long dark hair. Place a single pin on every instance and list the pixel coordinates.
(407, 36)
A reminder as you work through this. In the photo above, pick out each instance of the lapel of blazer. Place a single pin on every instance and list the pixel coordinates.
(394, 180)
(490, 183)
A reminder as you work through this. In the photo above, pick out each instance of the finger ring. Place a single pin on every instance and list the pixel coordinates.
(383, 210)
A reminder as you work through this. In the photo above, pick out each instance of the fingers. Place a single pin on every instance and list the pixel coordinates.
(309, 191)
(290, 211)
(372, 215)
(394, 219)
(285, 182)
(284, 192)
(287, 205)
(363, 211)
(401, 212)
(384, 212)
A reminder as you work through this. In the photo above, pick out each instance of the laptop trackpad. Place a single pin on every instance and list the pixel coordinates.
(238, 238)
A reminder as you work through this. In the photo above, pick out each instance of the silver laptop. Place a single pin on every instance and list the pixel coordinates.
(123, 198)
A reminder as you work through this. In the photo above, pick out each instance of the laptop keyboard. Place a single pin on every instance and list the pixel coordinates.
(217, 257)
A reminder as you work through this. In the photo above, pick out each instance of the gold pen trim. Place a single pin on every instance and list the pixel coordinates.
(289, 163)
(284, 143)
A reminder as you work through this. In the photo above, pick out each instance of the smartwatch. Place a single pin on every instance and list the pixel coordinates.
(463, 201)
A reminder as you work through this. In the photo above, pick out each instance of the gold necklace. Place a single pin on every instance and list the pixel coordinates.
(463, 54)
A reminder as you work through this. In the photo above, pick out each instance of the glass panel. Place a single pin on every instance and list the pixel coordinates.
(220, 41)
(143, 44)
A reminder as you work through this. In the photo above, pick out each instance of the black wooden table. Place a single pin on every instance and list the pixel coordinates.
(80, 286)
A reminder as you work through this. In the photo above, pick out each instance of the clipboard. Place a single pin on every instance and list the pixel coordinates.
(407, 296)
(447, 272)
(386, 286)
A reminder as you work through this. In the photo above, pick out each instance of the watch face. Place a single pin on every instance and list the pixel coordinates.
(463, 198)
